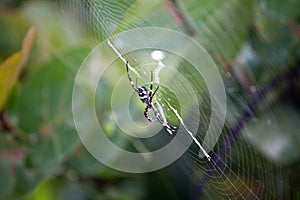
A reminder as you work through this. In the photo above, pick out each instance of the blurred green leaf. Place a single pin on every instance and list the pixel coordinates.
(16, 179)
(9, 71)
(138, 10)
(57, 32)
(60, 188)
(6, 183)
(216, 22)
(280, 10)
(46, 97)
(273, 133)
(84, 163)
(11, 68)
(13, 28)
(272, 51)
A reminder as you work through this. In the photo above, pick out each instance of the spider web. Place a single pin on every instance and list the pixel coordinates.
(238, 170)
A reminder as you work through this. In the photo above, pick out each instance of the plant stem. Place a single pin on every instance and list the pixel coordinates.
(6, 124)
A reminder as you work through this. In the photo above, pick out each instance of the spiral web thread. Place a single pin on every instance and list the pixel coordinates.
(230, 174)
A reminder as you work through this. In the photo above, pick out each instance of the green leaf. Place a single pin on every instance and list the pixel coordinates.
(11, 68)
(84, 163)
(57, 30)
(16, 179)
(6, 182)
(273, 44)
(9, 71)
(13, 28)
(216, 22)
(138, 10)
(280, 10)
(273, 133)
(46, 98)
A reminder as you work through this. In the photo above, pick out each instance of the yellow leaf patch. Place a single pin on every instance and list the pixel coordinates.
(11, 67)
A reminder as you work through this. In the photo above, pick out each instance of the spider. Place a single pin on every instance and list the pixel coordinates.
(146, 96)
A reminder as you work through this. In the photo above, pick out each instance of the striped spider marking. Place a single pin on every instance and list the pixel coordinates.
(146, 96)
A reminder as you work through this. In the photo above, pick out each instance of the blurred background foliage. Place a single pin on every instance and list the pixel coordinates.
(43, 43)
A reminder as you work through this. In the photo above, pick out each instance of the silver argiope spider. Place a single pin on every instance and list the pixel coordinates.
(146, 97)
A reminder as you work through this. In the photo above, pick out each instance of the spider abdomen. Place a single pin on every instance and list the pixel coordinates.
(143, 94)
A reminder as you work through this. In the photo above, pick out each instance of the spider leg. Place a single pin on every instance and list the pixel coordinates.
(146, 113)
(171, 129)
(129, 77)
(151, 96)
(151, 84)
